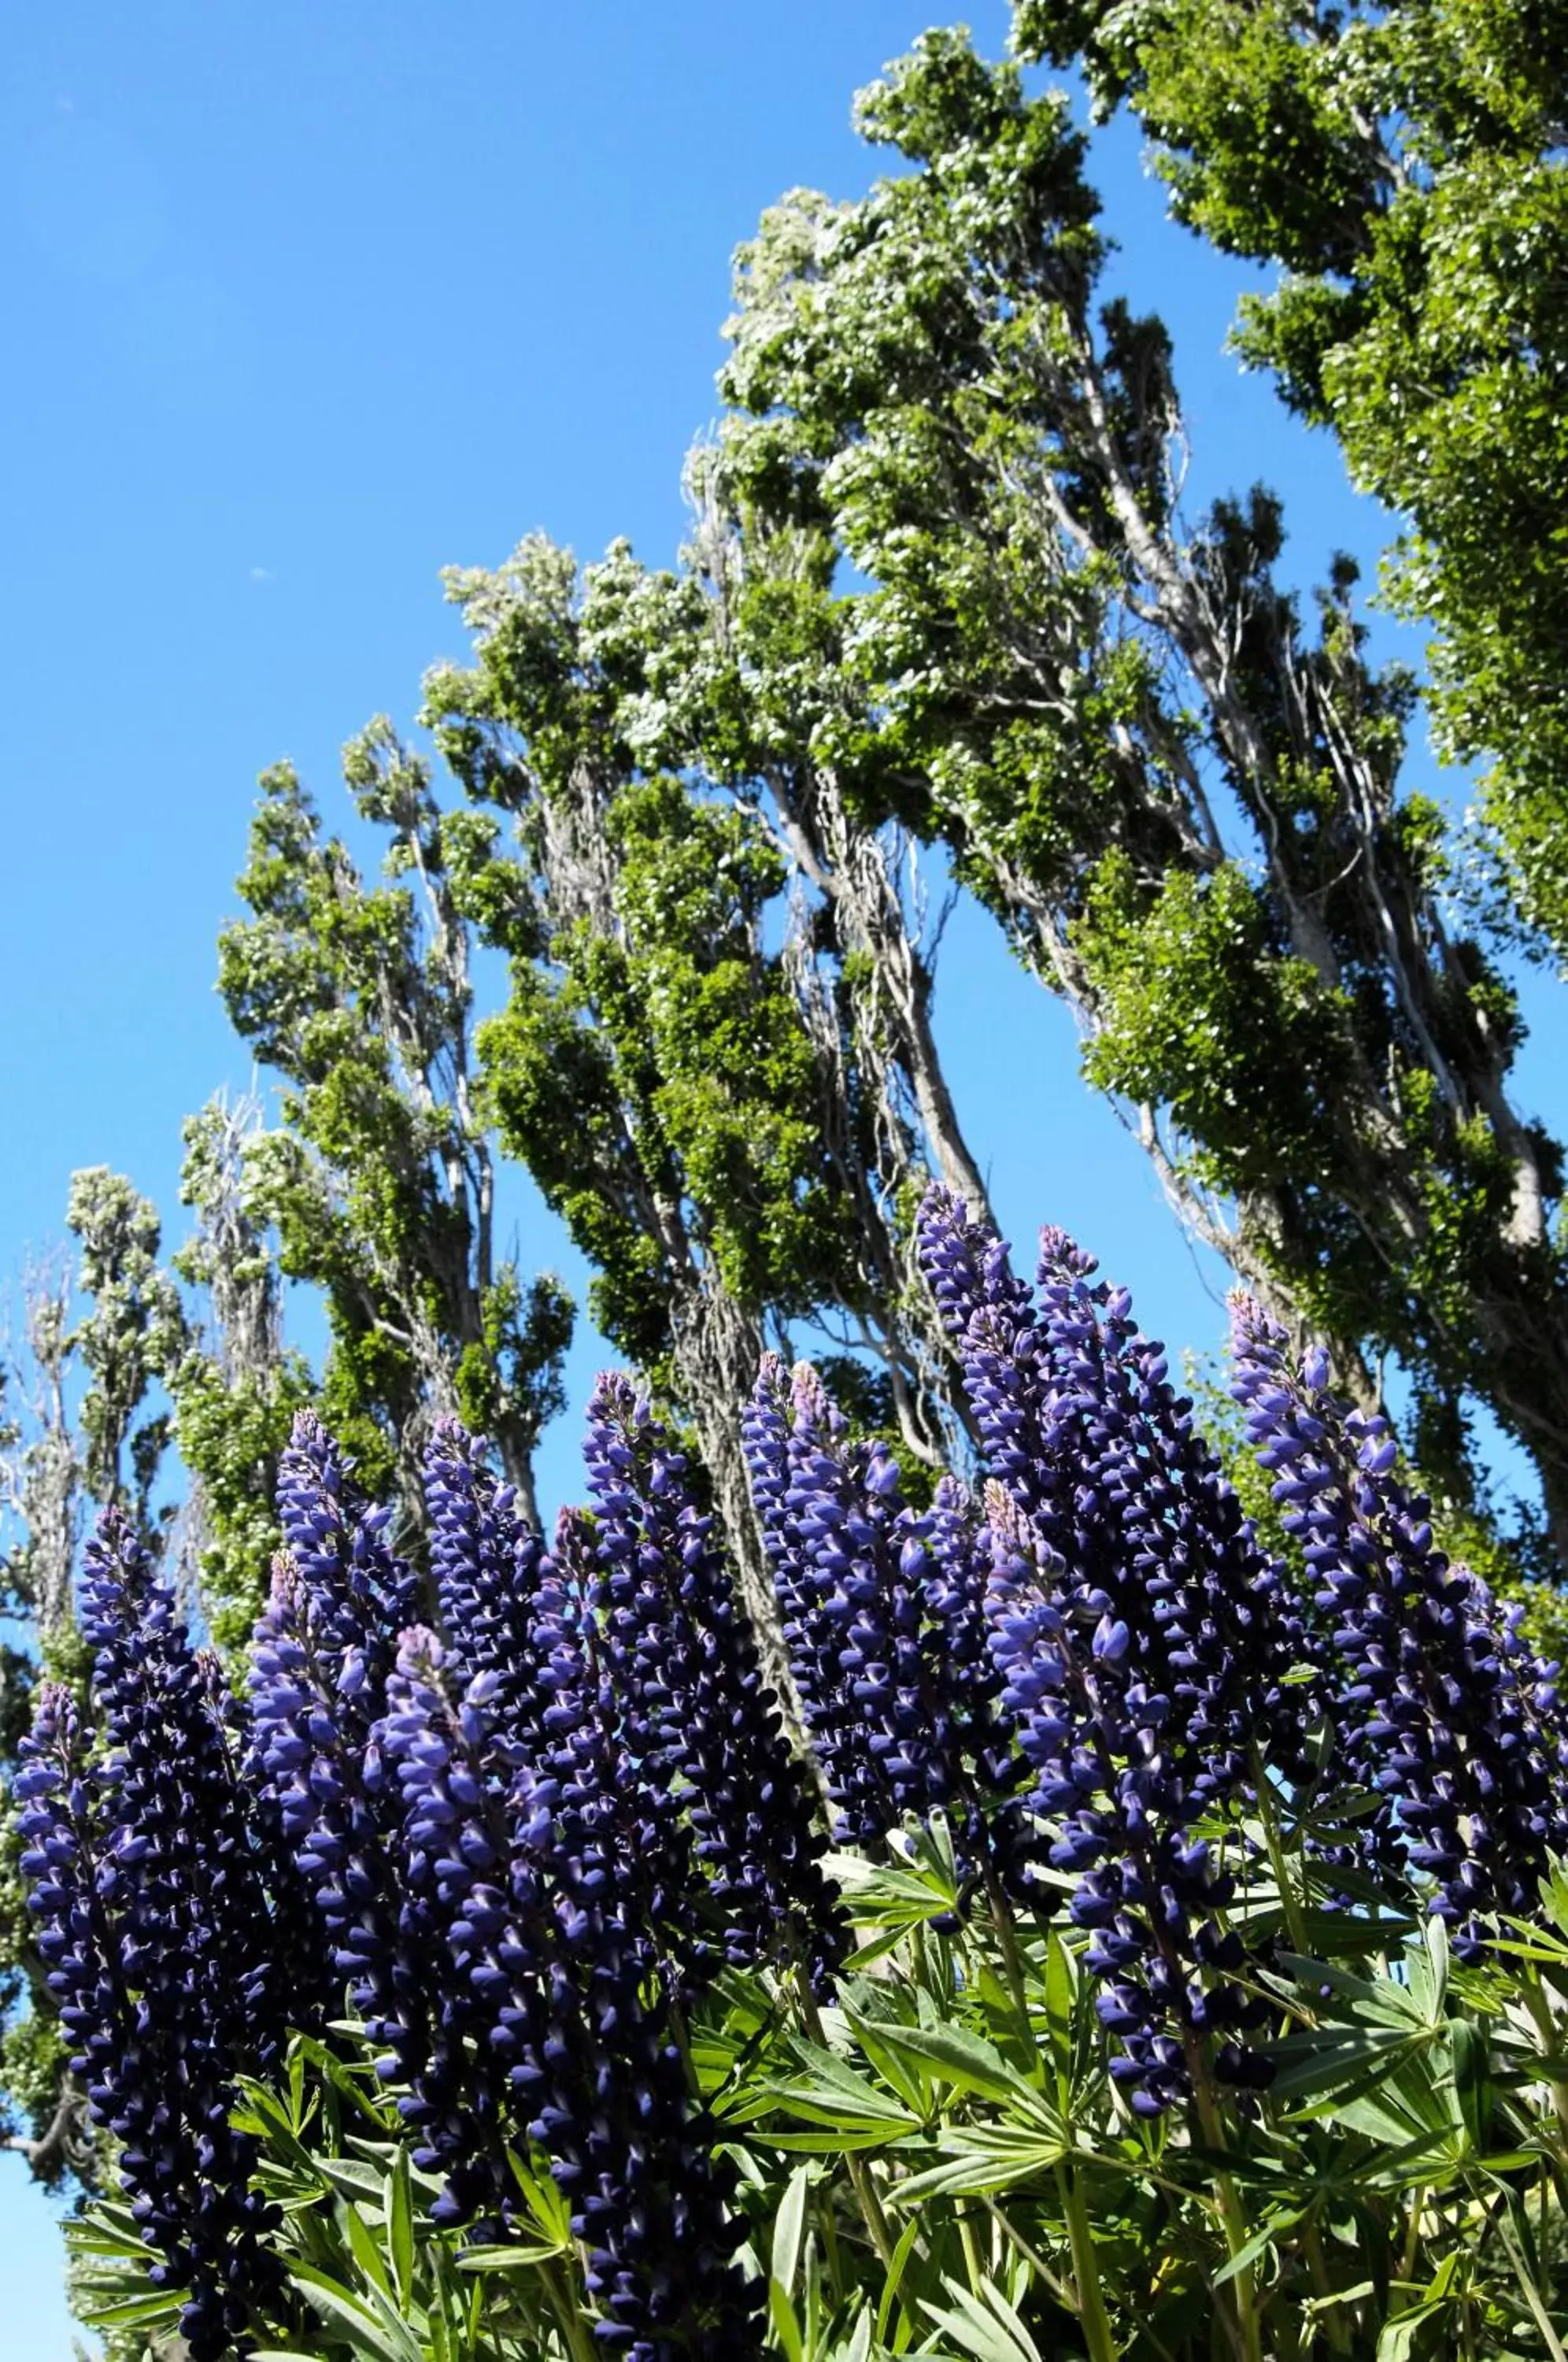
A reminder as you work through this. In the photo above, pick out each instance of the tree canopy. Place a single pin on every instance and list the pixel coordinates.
(1402, 166)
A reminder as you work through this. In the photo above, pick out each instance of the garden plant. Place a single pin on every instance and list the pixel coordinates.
(1158, 1947)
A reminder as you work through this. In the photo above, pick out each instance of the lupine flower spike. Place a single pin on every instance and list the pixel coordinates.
(882, 1615)
(145, 1881)
(1441, 1711)
(710, 1724)
(321, 1657)
(1142, 1636)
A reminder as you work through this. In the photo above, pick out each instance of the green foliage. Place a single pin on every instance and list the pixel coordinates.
(378, 1186)
(231, 1433)
(653, 1067)
(1201, 1013)
(131, 1336)
(936, 2162)
(1405, 168)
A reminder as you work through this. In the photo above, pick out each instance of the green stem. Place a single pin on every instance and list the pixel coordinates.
(1333, 2305)
(972, 2263)
(575, 2329)
(1031, 2254)
(871, 2210)
(1413, 2234)
(1093, 2318)
(865, 2189)
(1532, 2295)
(830, 2245)
(1296, 1925)
(1232, 2212)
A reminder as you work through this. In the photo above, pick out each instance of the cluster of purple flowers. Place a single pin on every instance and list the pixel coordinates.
(156, 1926)
(1439, 1710)
(884, 1620)
(708, 1739)
(515, 1852)
(1142, 1637)
(521, 1848)
(559, 1976)
(321, 1656)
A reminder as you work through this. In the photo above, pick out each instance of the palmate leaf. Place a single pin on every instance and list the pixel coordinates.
(966, 2061)
(1332, 2056)
(990, 2331)
(1378, 2000)
(831, 2095)
(372, 2328)
(981, 2162)
(879, 1895)
(153, 2310)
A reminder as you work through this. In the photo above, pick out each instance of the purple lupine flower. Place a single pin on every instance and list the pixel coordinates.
(649, 2197)
(321, 1654)
(881, 1618)
(315, 1766)
(337, 1539)
(485, 1999)
(1142, 1636)
(718, 1749)
(520, 1865)
(1439, 1709)
(147, 1881)
(487, 1566)
(990, 1317)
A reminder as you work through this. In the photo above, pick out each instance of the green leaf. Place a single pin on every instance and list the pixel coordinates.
(1399, 2330)
(978, 2160)
(544, 2201)
(1472, 2082)
(991, 2332)
(911, 2085)
(522, 2258)
(364, 2246)
(782, 2314)
(1258, 2245)
(1335, 2056)
(364, 2328)
(858, 2348)
(891, 2284)
(954, 2056)
(788, 2228)
(142, 2312)
(399, 2212)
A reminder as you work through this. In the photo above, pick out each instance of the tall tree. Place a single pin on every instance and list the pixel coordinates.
(1404, 165)
(1181, 800)
(380, 1181)
(236, 1387)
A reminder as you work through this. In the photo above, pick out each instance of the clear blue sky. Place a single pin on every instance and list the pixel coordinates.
(308, 300)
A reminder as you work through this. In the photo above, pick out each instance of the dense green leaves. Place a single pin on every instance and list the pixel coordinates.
(379, 1183)
(1405, 167)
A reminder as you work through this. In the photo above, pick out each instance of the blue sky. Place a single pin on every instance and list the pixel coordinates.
(309, 301)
